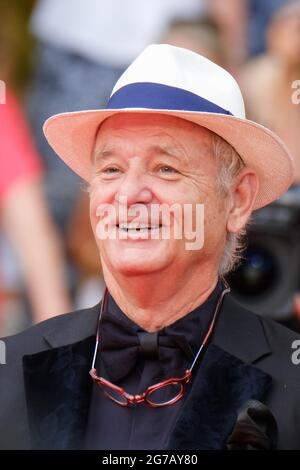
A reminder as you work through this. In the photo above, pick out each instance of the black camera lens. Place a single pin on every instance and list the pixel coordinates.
(257, 274)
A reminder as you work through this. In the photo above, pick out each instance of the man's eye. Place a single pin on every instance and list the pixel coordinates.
(110, 170)
(167, 169)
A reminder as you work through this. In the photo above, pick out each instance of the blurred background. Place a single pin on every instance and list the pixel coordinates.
(65, 55)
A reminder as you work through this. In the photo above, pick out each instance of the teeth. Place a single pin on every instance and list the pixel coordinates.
(137, 227)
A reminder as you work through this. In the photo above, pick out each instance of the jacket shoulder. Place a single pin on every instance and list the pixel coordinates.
(252, 337)
(67, 328)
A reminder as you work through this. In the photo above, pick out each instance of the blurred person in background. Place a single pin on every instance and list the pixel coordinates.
(231, 18)
(260, 14)
(24, 216)
(199, 35)
(267, 80)
(220, 33)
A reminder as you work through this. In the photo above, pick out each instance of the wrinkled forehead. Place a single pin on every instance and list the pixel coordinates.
(152, 125)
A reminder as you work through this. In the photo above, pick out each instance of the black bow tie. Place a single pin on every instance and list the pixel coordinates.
(121, 344)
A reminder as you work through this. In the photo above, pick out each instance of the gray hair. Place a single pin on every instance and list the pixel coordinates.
(230, 164)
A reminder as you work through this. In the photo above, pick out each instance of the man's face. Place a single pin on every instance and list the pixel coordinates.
(155, 161)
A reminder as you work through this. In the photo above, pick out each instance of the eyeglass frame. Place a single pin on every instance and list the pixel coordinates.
(143, 398)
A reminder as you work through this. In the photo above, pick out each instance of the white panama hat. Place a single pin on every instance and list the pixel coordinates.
(173, 81)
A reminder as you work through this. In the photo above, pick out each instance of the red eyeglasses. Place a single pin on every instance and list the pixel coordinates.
(161, 394)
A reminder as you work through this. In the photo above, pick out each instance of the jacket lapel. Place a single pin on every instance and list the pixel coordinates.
(222, 385)
(58, 390)
(58, 386)
(224, 382)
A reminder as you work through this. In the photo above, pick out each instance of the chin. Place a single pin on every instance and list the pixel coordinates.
(136, 266)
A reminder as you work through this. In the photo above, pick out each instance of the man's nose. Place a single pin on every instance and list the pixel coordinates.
(133, 190)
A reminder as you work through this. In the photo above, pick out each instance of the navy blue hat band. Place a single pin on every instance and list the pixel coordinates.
(157, 96)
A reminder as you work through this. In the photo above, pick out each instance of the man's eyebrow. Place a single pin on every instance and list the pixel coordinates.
(166, 150)
(103, 154)
(159, 149)
(175, 152)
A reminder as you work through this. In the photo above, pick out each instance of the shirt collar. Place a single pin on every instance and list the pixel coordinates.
(193, 326)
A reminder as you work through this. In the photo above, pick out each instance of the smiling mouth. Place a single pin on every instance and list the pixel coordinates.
(132, 228)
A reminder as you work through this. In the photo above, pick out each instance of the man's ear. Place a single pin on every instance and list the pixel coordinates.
(243, 195)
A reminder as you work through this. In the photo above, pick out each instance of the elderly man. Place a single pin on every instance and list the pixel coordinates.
(168, 360)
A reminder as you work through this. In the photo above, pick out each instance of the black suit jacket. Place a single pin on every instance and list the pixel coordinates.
(45, 385)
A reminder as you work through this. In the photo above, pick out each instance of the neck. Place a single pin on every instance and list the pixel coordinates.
(154, 301)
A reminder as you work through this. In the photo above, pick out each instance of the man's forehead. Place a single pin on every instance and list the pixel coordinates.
(159, 124)
(154, 134)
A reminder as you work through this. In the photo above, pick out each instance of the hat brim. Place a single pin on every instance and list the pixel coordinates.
(72, 136)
